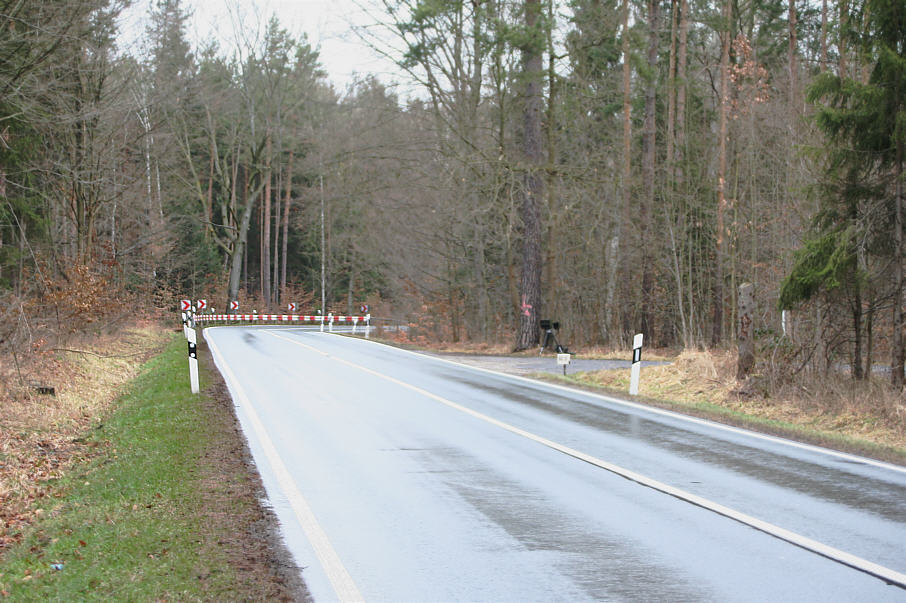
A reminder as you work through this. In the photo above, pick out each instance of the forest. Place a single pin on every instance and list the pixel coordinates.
(618, 166)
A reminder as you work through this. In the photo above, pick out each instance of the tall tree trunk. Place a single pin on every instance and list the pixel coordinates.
(351, 288)
(680, 144)
(718, 301)
(275, 264)
(671, 90)
(209, 197)
(869, 333)
(648, 170)
(533, 182)
(261, 252)
(239, 248)
(623, 229)
(843, 66)
(678, 172)
(552, 280)
(745, 335)
(287, 203)
(823, 60)
(823, 366)
(323, 242)
(245, 251)
(792, 58)
(238, 254)
(897, 352)
(266, 228)
(20, 275)
(857, 332)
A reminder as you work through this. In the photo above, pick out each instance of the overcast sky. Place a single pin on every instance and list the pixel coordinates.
(327, 23)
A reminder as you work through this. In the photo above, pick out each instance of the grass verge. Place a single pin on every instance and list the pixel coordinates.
(166, 509)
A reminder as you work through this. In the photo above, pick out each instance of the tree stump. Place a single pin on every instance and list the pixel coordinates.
(745, 336)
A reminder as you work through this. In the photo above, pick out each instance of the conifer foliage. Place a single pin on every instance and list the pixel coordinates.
(858, 234)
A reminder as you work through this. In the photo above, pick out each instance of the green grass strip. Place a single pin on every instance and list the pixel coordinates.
(130, 525)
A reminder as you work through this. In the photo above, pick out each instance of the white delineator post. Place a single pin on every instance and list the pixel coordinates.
(193, 359)
(563, 360)
(636, 365)
(367, 325)
(330, 322)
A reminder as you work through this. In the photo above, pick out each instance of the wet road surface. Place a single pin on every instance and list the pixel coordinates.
(398, 476)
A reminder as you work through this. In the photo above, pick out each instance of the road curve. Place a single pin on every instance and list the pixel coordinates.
(397, 476)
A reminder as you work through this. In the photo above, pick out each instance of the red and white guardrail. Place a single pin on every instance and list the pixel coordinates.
(329, 320)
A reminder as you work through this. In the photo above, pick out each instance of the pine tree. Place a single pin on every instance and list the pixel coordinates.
(533, 182)
(866, 126)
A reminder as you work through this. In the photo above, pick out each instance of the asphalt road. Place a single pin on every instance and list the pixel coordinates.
(403, 477)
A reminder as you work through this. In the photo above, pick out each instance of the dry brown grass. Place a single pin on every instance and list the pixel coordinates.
(832, 403)
(42, 435)
(488, 349)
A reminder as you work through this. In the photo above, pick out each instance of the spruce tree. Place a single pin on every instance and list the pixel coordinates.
(865, 124)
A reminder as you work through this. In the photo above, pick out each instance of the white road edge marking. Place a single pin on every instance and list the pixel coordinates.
(889, 575)
(340, 579)
(659, 411)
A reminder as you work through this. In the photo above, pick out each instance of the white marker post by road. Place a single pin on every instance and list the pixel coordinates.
(636, 365)
(193, 359)
(563, 360)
